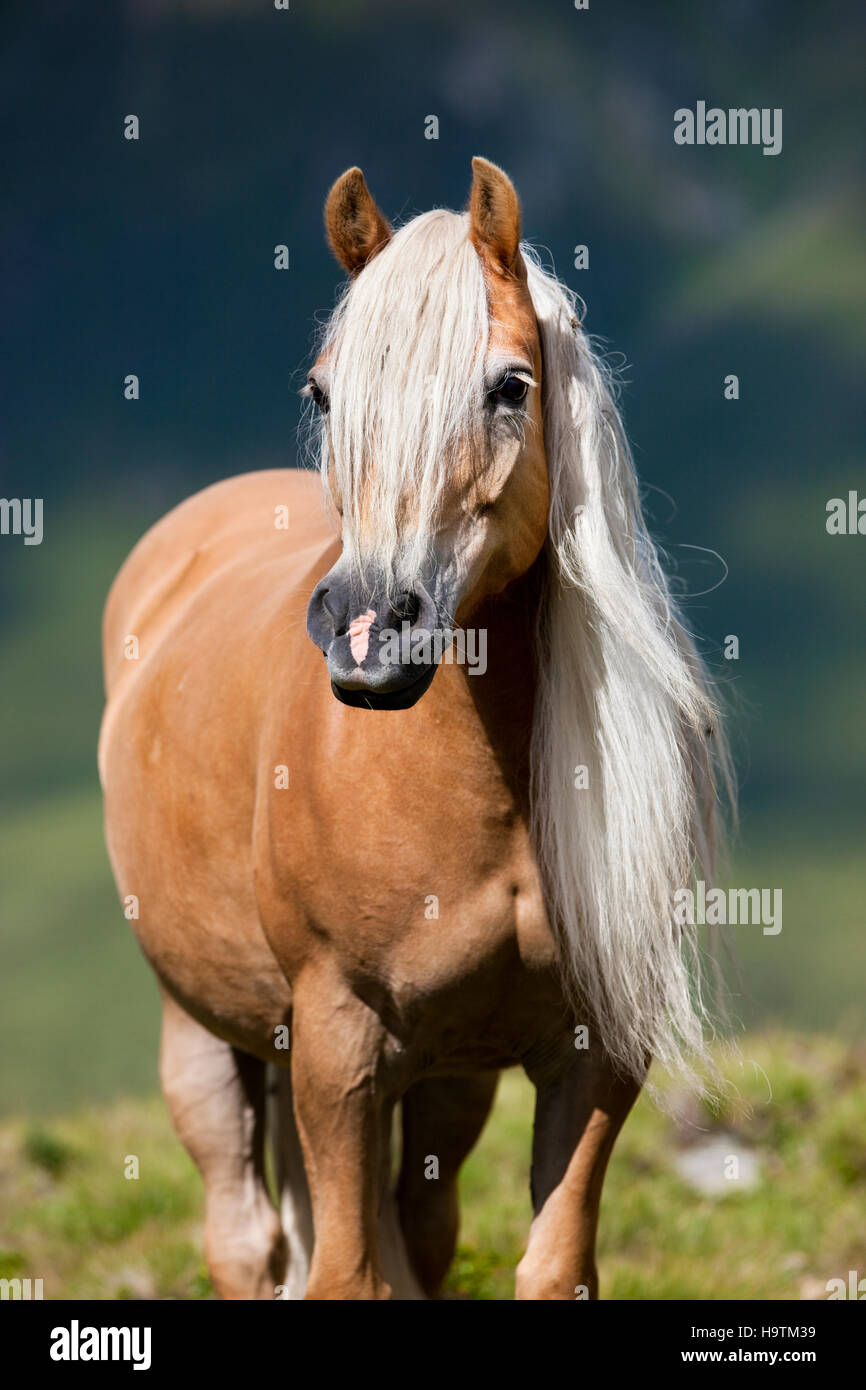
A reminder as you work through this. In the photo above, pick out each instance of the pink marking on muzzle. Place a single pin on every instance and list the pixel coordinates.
(359, 635)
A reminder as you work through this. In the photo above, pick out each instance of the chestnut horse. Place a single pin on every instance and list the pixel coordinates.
(383, 876)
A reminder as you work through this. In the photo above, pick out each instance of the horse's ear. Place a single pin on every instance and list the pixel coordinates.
(356, 228)
(494, 214)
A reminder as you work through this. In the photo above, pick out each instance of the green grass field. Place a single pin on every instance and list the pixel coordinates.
(69, 1216)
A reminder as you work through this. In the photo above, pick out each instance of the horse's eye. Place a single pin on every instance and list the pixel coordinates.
(511, 390)
(317, 395)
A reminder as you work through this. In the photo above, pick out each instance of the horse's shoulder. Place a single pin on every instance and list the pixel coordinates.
(226, 525)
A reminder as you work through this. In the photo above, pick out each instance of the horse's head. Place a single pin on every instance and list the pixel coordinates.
(428, 385)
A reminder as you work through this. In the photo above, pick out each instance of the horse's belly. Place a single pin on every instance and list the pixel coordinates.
(178, 813)
(196, 921)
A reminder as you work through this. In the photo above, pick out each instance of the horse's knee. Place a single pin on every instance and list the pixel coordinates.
(343, 1111)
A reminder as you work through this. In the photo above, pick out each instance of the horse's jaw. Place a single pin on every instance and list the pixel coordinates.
(359, 697)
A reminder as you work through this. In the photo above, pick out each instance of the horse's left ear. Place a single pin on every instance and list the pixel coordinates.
(356, 228)
(494, 214)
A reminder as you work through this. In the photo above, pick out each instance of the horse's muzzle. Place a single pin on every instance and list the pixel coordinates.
(373, 645)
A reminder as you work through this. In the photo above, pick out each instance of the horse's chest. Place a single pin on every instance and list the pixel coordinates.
(440, 915)
(476, 978)
(402, 852)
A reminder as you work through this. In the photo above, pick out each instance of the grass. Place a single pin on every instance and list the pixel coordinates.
(807, 975)
(68, 1214)
(78, 1004)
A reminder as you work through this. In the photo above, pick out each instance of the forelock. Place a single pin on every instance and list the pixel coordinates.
(406, 349)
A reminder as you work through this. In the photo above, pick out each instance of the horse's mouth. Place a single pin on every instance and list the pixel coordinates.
(403, 698)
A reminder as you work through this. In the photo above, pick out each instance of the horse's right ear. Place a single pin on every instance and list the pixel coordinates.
(494, 215)
(356, 228)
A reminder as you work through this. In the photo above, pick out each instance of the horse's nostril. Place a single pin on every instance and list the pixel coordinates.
(336, 611)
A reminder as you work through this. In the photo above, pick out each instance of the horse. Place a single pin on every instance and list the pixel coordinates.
(369, 875)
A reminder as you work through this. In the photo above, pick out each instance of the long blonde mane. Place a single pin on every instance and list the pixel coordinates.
(627, 749)
(623, 695)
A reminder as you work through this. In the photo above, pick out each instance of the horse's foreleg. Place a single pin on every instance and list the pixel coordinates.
(216, 1098)
(442, 1119)
(578, 1116)
(342, 1116)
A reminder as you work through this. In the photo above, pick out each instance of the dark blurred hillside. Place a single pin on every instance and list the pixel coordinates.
(156, 256)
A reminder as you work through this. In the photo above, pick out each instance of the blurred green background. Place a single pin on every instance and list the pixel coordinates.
(156, 257)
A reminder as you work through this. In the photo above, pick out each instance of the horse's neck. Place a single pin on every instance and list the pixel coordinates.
(505, 695)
